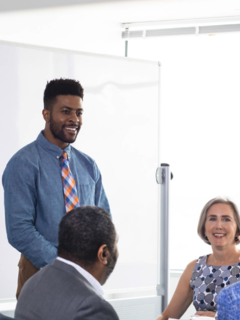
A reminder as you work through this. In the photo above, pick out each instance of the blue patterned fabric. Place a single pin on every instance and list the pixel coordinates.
(207, 281)
(229, 303)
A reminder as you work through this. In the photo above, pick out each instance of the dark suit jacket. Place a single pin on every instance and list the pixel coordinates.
(3, 317)
(60, 292)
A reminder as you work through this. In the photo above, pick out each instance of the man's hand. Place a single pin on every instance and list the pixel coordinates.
(206, 313)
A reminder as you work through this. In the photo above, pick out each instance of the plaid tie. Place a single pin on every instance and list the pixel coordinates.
(69, 185)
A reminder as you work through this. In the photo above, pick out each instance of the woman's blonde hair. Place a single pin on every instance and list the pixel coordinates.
(203, 217)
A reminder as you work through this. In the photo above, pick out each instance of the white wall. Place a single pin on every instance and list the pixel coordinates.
(81, 28)
(199, 130)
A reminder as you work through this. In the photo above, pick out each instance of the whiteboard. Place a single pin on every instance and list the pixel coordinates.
(120, 132)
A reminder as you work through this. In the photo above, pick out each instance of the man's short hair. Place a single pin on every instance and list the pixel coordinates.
(83, 231)
(61, 87)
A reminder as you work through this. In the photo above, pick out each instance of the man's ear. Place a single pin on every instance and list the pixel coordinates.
(46, 115)
(103, 254)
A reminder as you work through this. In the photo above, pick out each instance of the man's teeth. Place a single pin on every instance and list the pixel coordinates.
(72, 129)
(219, 235)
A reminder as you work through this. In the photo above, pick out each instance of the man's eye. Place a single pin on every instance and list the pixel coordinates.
(65, 111)
(79, 114)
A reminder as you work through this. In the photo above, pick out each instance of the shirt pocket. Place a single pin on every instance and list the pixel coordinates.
(86, 194)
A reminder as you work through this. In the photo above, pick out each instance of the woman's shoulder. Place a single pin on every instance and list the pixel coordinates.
(192, 264)
(190, 267)
(196, 264)
(201, 260)
(187, 273)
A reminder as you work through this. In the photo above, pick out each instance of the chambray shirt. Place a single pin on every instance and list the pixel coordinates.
(34, 198)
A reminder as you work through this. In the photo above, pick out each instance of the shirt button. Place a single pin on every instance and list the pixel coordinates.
(57, 157)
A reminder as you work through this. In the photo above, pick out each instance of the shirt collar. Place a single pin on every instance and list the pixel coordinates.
(93, 281)
(52, 148)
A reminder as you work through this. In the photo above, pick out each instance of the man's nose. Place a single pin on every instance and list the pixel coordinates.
(74, 118)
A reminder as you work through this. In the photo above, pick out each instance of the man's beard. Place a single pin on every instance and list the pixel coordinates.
(58, 132)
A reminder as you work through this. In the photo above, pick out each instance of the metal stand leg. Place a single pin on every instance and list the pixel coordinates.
(126, 48)
(163, 177)
(126, 43)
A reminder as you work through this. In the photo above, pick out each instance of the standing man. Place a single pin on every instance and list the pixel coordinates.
(48, 178)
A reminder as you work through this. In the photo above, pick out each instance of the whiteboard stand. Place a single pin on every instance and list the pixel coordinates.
(163, 177)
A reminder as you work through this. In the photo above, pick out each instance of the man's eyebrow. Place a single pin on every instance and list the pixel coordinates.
(66, 107)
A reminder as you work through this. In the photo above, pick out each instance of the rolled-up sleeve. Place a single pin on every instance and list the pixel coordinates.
(19, 183)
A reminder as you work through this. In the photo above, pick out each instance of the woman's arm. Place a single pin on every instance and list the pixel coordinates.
(206, 313)
(182, 297)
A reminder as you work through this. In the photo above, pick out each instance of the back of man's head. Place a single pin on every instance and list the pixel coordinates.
(82, 232)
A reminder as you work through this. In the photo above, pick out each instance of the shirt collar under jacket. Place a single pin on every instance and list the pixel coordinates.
(96, 285)
(52, 148)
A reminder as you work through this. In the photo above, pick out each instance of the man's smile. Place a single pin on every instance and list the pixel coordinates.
(71, 129)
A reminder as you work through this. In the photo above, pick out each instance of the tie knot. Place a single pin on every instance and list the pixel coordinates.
(64, 154)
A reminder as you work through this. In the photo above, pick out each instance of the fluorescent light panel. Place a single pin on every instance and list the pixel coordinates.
(128, 34)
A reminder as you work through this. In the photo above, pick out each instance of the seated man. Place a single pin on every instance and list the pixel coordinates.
(70, 287)
(229, 302)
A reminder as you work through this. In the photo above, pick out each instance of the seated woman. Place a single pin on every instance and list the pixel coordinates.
(204, 278)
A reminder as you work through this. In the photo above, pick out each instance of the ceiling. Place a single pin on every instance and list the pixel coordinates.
(13, 5)
(132, 10)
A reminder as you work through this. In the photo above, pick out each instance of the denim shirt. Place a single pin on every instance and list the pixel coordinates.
(34, 198)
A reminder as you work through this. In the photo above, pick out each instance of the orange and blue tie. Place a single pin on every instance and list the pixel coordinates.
(69, 185)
